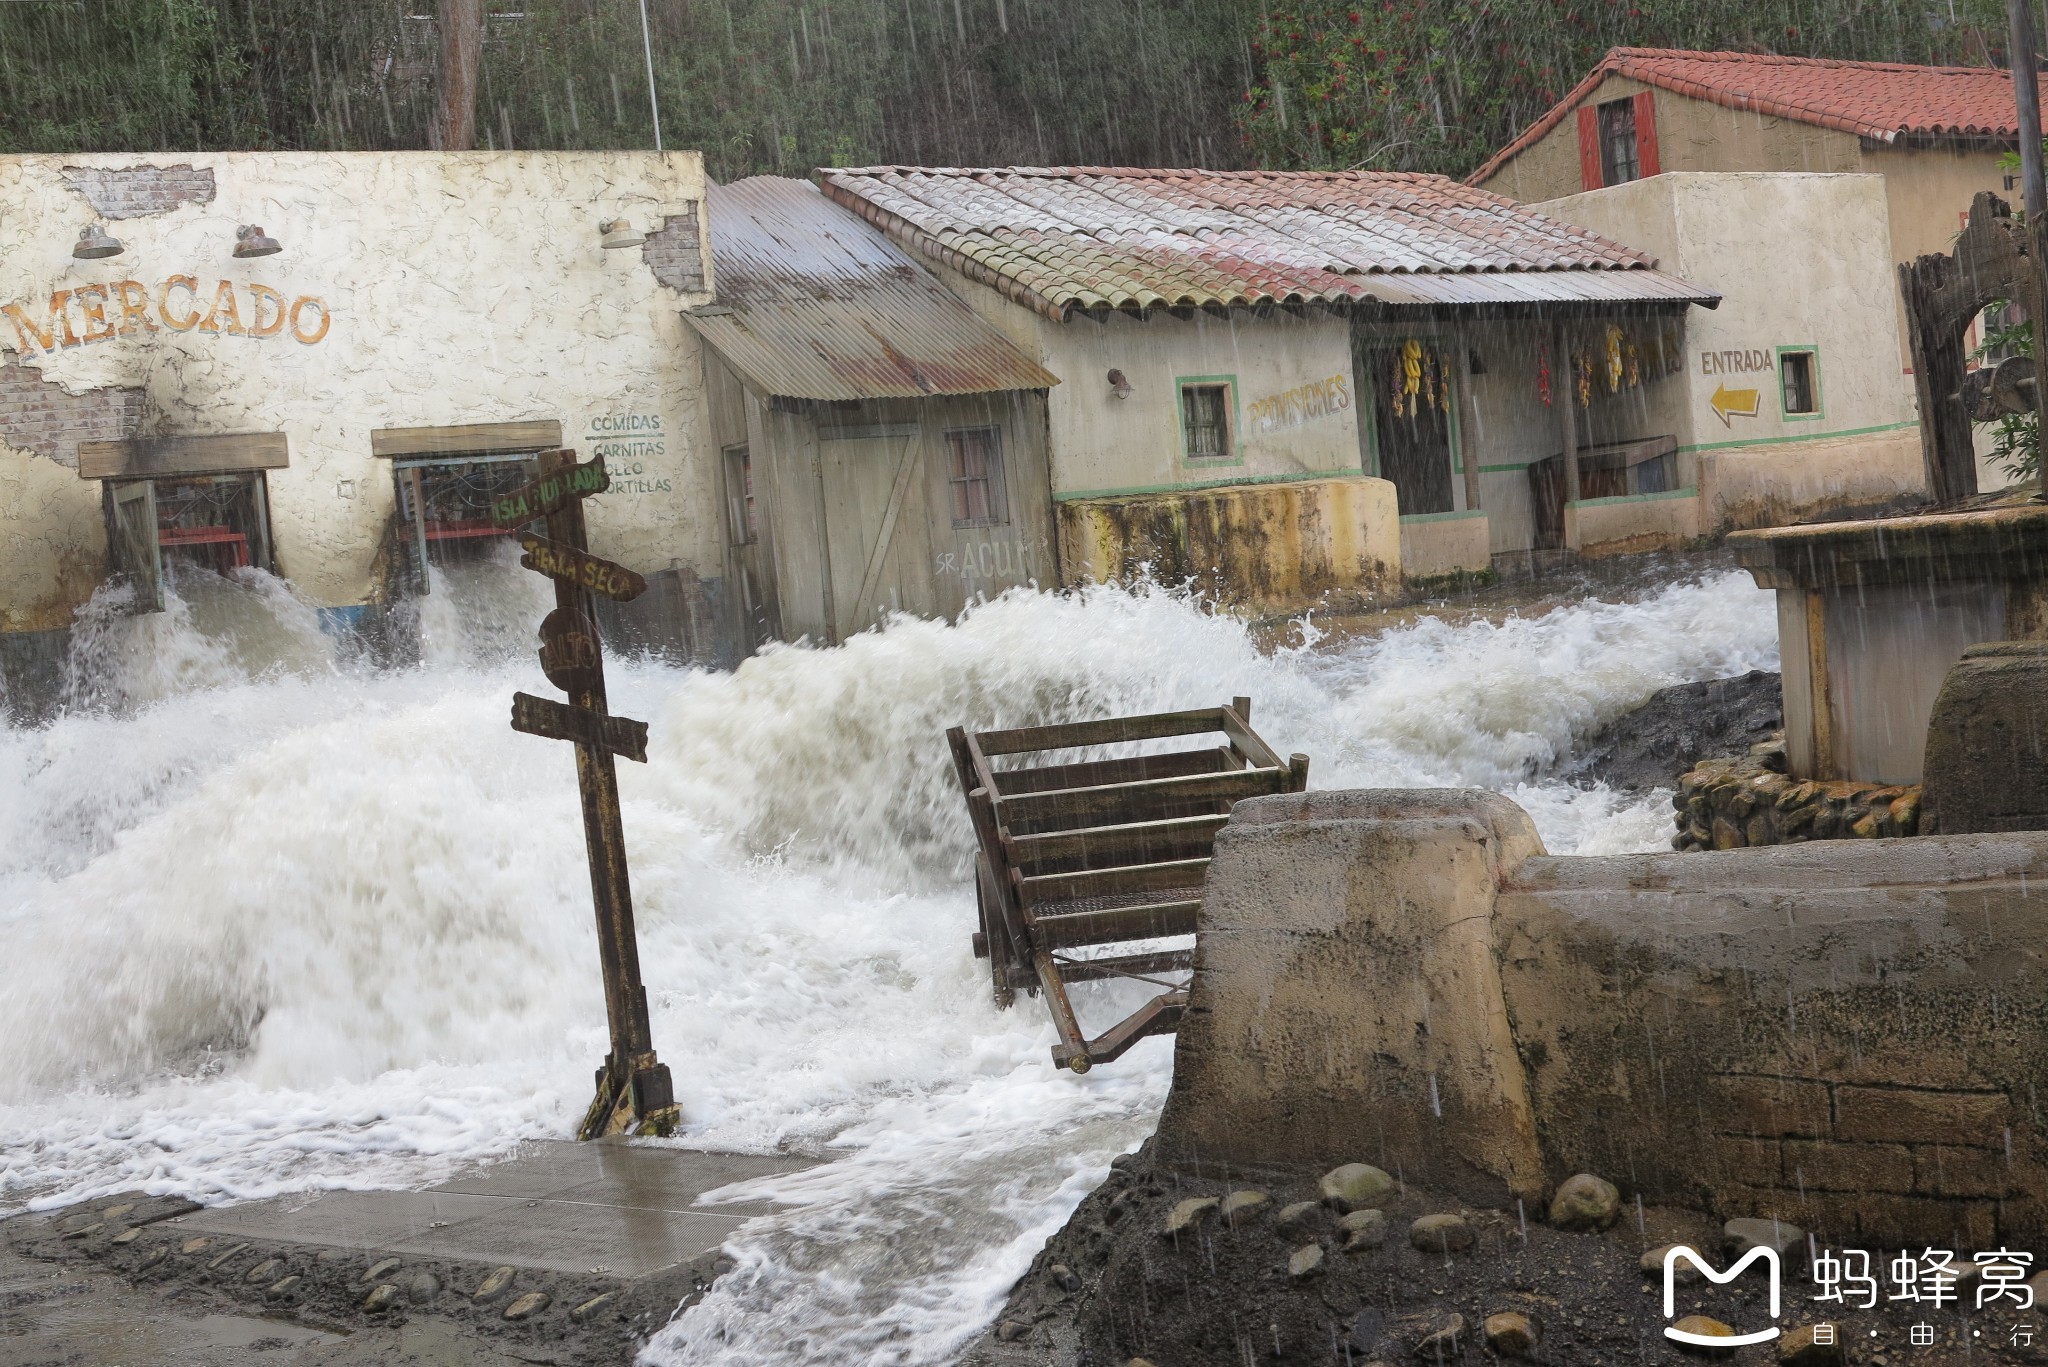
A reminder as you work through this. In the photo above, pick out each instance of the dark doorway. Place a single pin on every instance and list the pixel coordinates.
(1415, 443)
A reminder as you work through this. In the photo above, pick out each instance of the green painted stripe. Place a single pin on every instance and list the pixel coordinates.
(1195, 485)
(1444, 517)
(1634, 498)
(1808, 436)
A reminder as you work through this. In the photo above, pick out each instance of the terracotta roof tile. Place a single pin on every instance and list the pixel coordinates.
(1059, 238)
(1883, 101)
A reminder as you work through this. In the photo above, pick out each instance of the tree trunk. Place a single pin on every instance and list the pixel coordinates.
(462, 34)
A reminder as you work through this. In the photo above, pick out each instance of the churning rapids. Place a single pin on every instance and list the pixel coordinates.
(273, 922)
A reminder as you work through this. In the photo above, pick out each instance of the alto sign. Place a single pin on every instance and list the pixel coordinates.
(177, 303)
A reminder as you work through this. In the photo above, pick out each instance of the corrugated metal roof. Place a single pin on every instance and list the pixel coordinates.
(815, 304)
(1064, 238)
(1883, 101)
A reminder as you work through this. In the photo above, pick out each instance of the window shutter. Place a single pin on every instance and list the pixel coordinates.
(1646, 135)
(1589, 147)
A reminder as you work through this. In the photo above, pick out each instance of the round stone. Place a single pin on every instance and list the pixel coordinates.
(1013, 1331)
(1776, 1235)
(1302, 1217)
(422, 1288)
(1189, 1215)
(378, 1271)
(127, 1236)
(592, 1307)
(1440, 1234)
(226, 1256)
(1684, 1271)
(1356, 1186)
(1240, 1208)
(1585, 1202)
(155, 1256)
(1705, 1327)
(528, 1305)
(117, 1211)
(281, 1288)
(1063, 1277)
(1305, 1262)
(83, 1230)
(1511, 1334)
(1363, 1229)
(1798, 1348)
(495, 1285)
(265, 1271)
(381, 1298)
(192, 1246)
(1444, 1344)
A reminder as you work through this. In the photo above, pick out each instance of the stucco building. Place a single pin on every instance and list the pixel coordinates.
(323, 364)
(1933, 135)
(1292, 384)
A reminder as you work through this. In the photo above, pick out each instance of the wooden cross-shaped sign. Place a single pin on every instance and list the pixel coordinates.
(635, 1094)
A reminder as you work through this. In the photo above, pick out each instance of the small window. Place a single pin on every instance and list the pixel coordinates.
(1796, 382)
(1205, 420)
(739, 496)
(1619, 161)
(975, 475)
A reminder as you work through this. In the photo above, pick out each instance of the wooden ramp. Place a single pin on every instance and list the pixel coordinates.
(1104, 852)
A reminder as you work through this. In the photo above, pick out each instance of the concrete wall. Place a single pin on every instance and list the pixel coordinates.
(444, 290)
(1264, 545)
(1802, 261)
(1434, 545)
(1844, 1035)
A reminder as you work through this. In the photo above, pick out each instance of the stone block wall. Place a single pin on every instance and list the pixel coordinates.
(1848, 1035)
(1732, 804)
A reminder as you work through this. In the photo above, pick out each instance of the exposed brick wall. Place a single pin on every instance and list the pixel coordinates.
(138, 191)
(674, 253)
(37, 415)
(1857, 1159)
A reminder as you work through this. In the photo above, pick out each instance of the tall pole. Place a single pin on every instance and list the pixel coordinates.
(647, 46)
(462, 38)
(2026, 89)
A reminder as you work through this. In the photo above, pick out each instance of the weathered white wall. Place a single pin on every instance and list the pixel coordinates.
(1800, 260)
(1297, 412)
(456, 288)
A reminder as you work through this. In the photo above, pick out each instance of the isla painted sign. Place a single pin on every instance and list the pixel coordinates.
(550, 494)
(129, 308)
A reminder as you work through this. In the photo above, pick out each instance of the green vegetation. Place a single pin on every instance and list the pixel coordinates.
(785, 85)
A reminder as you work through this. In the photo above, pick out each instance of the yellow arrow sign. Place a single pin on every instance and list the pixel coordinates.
(1732, 403)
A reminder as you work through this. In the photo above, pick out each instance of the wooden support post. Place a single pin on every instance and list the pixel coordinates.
(1568, 416)
(1468, 457)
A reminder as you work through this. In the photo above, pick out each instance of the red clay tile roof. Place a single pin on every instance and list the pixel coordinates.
(1883, 101)
(1058, 239)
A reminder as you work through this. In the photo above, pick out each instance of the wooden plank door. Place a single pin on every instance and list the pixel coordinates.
(134, 551)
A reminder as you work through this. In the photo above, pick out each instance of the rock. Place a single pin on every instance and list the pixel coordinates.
(1726, 836)
(1444, 1344)
(1684, 1272)
(1303, 1217)
(116, 1212)
(1013, 1331)
(1866, 827)
(155, 1256)
(1440, 1234)
(193, 1246)
(281, 1288)
(1740, 1236)
(1987, 742)
(72, 1224)
(1305, 1262)
(1585, 1202)
(84, 1230)
(378, 1271)
(1712, 1328)
(127, 1236)
(495, 1285)
(1063, 1277)
(1189, 1215)
(265, 1271)
(1356, 1186)
(592, 1307)
(1363, 1230)
(1797, 1349)
(1240, 1208)
(1511, 1334)
(220, 1260)
(422, 1289)
(329, 1256)
(1682, 725)
(527, 1306)
(381, 1298)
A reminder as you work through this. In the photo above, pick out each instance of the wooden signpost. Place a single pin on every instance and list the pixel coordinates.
(635, 1094)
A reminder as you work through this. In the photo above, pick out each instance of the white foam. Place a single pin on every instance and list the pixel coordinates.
(276, 923)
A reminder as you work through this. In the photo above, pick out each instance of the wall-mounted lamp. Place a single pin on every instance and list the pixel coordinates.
(1118, 385)
(251, 240)
(94, 242)
(619, 233)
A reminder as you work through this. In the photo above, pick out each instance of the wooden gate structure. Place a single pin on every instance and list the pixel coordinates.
(1096, 852)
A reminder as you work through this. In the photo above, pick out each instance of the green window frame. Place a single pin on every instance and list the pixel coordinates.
(1817, 410)
(1233, 451)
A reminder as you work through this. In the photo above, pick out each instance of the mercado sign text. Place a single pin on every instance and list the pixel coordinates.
(179, 303)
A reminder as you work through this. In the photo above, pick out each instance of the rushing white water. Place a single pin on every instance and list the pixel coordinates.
(274, 922)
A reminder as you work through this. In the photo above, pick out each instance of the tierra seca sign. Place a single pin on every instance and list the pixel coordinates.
(128, 308)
